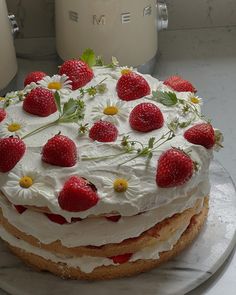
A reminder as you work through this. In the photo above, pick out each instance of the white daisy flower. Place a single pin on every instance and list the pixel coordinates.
(127, 185)
(12, 127)
(29, 87)
(126, 70)
(24, 183)
(111, 111)
(195, 99)
(58, 83)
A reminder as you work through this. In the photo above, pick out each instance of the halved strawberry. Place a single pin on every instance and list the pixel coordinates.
(103, 131)
(201, 134)
(11, 151)
(40, 102)
(78, 72)
(78, 194)
(174, 168)
(34, 77)
(132, 86)
(61, 151)
(177, 83)
(146, 117)
(3, 114)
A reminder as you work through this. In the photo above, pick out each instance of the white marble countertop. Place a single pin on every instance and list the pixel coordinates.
(207, 57)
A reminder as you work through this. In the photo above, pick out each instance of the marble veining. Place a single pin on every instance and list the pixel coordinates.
(195, 265)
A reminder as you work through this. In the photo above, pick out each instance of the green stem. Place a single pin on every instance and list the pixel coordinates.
(40, 129)
(102, 157)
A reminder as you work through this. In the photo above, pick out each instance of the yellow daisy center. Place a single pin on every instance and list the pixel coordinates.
(126, 71)
(111, 110)
(54, 85)
(120, 185)
(2, 98)
(195, 100)
(14, 127)
(26, 182)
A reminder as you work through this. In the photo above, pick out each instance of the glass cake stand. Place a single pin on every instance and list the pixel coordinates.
(187, 271)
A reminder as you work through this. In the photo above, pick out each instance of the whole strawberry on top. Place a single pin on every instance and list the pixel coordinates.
(78, 72)
(174, 168)
(103, 131)
(3, 114)
(40, 102)
(132, 86)
(78, 194)
(11, 151)
(201, 134)
(177, 83)
(146, 117)
(34, 77)
(60, 151)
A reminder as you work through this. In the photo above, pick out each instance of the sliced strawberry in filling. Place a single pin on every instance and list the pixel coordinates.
(56, 218)
(20, 209)
(120, 259)
(113, 218)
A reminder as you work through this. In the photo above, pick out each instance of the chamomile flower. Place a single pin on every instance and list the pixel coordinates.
(126, 185)
(12, 127)
(30, 87)
(58, 83)
(24, 183)
(126, 70)
(111, 111)
(195, 99)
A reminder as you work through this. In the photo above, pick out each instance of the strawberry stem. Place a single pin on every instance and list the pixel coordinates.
(40, 129)
(102, 157)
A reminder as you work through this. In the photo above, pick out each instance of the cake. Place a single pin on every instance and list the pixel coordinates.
(104, 172)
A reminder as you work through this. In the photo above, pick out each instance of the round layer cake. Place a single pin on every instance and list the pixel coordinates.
(104, 172)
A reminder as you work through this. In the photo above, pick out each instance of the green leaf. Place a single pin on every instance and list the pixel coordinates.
(151, 142)
(165, 98)
(58, 101)
(69, 107)
(89, 57)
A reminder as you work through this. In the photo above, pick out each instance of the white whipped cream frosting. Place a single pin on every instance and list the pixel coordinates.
(83, 233)
(144, 194)
(88, 263)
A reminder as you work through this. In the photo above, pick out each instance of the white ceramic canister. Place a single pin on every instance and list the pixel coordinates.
(126, 29)
(8, 63)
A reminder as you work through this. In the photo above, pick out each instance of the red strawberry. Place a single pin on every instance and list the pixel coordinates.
(61, 151)
(3, 114)
(34, 77)
(146, 117)
(77, 195)
(56, 218)
(174, 168)
(201, 134)
(120, 259)
(78, 72)
(11, 151)
(20, 209)
(113, 218)
(132, 86)
(179, 84)
(103, 131)
(40, 102)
